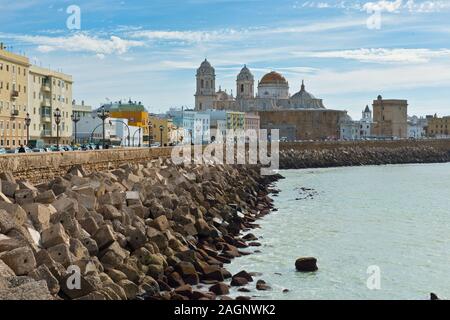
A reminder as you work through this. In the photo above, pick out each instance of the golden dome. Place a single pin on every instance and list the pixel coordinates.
(273, 77)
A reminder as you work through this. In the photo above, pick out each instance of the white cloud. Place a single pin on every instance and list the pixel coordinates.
(427, 6)
(222, 35)
(188, 36)
(79, 42)
(382, 55)
(391, 6)
(383, 6)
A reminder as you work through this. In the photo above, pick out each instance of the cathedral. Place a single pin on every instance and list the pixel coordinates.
(297, 117)
(273, 93)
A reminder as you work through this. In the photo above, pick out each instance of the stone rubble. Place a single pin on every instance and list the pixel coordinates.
(140, 231)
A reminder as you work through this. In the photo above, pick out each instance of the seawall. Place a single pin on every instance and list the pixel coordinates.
(39, 167)
(338, 154)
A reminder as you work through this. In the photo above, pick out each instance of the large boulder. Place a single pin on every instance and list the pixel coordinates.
(306, 264)
(219, 289)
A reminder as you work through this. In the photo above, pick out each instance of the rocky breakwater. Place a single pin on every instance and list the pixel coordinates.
(360, 155)
(141, 231)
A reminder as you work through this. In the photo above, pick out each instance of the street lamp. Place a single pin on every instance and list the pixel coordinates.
(150, 129)
(57, 115)
(134, 135)
(75, 118)
(27, 123)
(103, 114)
(161, 128)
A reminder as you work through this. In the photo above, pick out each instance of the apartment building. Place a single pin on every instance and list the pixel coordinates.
(438, 127)
(48, 91)
(13, 98)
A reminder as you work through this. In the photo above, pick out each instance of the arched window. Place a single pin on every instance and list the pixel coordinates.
(242, 88)
(202, 83)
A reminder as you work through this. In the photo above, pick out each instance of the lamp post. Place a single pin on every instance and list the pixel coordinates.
(103, 114)
(134, 135)
(161, 128)
(75, 118)
(57, 115)
(150, 128)
(27, 123)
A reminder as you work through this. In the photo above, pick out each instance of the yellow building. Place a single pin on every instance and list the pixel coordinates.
(235, 120)
(438, 127)
(13, 98)
(49, 90)
(133, 111)
(155, 133)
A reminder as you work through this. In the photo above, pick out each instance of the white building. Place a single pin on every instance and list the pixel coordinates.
(350, 130)
(117, 131)
(196, 127)
(416, 127)
(366, 123)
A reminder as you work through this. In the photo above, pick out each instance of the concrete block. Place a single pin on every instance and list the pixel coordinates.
(61, 254)
(54, 235)
(46, 197)
(20, 260)
(24, 196)
(39, 215)
(16, 213)
(104, 236)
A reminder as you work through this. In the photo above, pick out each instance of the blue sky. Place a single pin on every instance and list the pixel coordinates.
(149, 50)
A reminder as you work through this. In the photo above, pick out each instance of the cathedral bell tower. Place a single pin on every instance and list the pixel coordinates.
(245, 84)
(206, 87)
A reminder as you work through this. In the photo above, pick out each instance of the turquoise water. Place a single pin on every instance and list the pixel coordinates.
(394, 217)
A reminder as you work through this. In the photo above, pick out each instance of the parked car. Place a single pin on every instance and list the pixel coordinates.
(38, 150)
(55, 148)
(2, 151)
(27, 150)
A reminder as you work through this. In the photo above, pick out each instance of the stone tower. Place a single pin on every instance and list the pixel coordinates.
(245, 84)
(367, 114)
(206, 87)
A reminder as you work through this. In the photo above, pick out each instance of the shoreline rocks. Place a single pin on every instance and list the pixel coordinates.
(140, 231)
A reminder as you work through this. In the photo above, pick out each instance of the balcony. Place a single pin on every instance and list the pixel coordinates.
(46, 103)
(46, 86)
(46, 133)
(46, 114)
(14, 113)
(14, 94)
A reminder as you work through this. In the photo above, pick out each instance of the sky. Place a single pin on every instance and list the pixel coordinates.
(348, 52)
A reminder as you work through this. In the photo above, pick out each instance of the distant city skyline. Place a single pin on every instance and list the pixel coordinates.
(149, 51)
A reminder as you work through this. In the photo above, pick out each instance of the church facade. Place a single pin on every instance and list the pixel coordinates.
(272, 93)
(298, 117)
